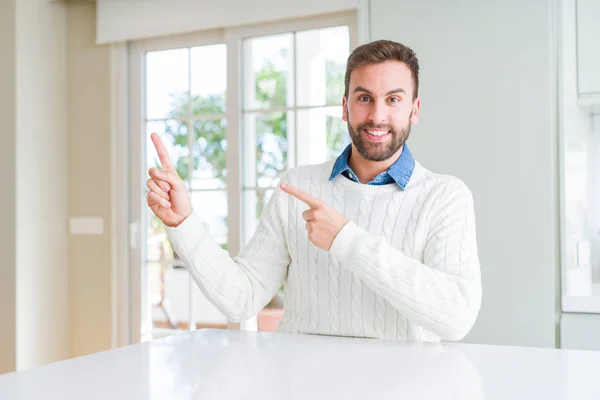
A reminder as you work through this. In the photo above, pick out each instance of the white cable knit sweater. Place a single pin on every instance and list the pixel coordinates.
(405, 267)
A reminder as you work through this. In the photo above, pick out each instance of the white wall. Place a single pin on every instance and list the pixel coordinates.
(42, 268)
(33, 237)
(8, 299)
(89, 156)
(488, 116)
(137, 19)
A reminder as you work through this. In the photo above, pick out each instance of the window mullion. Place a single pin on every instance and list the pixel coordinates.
(293, 159)
(233, 135)
(190, 171)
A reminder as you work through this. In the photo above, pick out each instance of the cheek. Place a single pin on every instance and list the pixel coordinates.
(403, 116)
(356, 114)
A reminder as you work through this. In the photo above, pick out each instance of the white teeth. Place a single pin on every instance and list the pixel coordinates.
(377, 133)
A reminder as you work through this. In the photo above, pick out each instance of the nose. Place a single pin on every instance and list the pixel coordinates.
(377, 114)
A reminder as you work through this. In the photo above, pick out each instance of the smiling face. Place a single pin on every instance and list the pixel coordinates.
(380, 109)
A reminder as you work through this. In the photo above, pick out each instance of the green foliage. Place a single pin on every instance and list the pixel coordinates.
(209, 136)
(209, 139)
(270, 86)
(335, 74)
(271, 129)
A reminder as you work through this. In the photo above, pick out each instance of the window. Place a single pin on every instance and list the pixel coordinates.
(185, 104)
(292, 91)
(235, 109)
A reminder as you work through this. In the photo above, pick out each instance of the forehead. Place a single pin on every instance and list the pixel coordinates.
(382, 77)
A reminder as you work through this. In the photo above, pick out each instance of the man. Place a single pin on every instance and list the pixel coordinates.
(371, 244)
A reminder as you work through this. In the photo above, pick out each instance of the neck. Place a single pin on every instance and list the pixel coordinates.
(366, 170)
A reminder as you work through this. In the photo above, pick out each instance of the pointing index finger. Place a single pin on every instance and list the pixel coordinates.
(301, 195)
(163, 154)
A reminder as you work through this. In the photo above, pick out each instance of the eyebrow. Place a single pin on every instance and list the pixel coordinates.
(362, 89)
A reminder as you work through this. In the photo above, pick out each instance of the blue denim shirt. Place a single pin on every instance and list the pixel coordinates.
(399, 172)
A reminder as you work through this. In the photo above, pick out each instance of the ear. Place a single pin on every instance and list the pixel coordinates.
(344, 109)
(414, 118)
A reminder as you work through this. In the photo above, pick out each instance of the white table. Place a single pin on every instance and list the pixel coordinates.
(228, 364)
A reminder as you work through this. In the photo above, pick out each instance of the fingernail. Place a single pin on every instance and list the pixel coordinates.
(166, 188)
(283, 185)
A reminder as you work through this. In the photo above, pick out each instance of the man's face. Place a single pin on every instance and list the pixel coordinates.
(380, 109)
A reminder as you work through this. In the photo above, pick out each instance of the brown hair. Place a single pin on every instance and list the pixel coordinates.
(380, 51)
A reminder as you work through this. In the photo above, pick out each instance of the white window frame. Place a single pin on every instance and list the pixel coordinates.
(127, 88)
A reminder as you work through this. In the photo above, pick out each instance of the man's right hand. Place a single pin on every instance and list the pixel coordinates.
(168, 197)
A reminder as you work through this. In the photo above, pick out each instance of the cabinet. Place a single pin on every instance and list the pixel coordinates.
(580, 331)
(588, 54)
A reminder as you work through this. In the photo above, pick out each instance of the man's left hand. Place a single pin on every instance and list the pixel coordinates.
(323, 223)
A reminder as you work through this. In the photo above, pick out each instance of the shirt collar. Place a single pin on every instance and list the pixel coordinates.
(400, 171)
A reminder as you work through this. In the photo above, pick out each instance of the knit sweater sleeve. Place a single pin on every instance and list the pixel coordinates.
(441, 292)
(241, 286)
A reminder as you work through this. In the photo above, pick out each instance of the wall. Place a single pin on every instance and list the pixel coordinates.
(489, 117)
(8, 246)
(33, 277)
(90, 292)
(42, 269)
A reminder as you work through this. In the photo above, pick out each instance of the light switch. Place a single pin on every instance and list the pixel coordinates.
(86, 225)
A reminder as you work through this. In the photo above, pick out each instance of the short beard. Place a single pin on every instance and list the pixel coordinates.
(378, 151)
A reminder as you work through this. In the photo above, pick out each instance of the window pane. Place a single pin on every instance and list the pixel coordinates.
(174, 136)
(266, 143)
(210, 148)
(212, 209)
(208, 79)
(324, 134)
(253, 202)
(168, 292)
(167, 83)
(268, 72)
(158, 246)
(321, 65)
